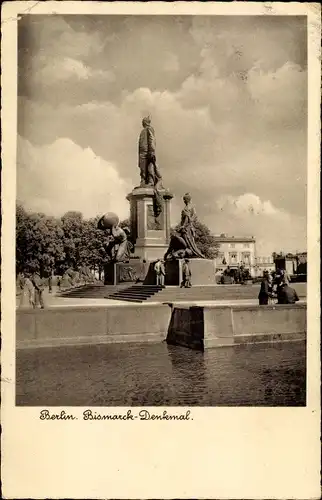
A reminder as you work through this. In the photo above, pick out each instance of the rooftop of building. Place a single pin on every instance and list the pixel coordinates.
(223, 237)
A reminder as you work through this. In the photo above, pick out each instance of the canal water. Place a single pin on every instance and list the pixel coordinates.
(162, 375)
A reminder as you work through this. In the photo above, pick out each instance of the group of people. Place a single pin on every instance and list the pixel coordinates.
(275, 286)
(159, 270)
(32, 286)
(235, 276)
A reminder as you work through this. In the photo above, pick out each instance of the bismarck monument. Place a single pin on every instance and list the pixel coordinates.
(134, 251)
(149, 202)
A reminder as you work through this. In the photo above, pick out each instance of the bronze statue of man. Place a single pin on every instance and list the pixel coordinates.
(149, 172)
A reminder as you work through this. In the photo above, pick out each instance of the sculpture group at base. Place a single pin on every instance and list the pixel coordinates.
(119, 248)
(182, 242)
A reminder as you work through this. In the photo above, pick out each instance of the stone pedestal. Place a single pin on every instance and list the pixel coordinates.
(202, 272)
(131, 272)
(124, 272)
(151, 235)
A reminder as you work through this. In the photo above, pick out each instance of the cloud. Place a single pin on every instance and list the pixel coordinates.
(280, 95)
(62, 176)
(274, 229)
(227, 95)
(247, 203)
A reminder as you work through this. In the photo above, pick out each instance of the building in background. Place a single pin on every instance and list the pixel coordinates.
(234, 251)
(264, 264)
(294, 264)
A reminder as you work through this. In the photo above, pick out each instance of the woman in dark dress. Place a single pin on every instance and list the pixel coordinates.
(266, 290)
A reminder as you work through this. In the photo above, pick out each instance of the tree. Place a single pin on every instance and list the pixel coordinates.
(73, 229)
(95, 242)
(204, 239)
(39, 243)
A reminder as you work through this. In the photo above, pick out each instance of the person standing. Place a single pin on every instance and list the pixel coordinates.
(162, 277)
(285, 277)
(265, 292)
(21, 288)
(31, 290)
(160, 272)
(186, 275)
(26, 286)
(50, 282)
(39, 290)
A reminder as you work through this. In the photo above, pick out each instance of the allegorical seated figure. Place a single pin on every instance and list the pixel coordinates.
(182, 242)
(118, 248)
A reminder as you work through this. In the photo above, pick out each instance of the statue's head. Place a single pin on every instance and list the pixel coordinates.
(146, 121)
(187, 198)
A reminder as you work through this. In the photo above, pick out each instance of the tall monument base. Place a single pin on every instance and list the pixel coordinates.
(202, 272)
(151, 234)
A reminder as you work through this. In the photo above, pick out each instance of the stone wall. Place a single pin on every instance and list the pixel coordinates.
(228, 325)
(199, 327)
(87, 325)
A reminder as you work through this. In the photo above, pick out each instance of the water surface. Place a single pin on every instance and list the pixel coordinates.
(158, 374)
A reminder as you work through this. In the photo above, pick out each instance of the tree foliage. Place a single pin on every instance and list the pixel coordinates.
(205, 240)
(39, 242)
(48, 244)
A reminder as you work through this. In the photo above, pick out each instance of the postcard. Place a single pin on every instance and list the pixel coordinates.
(160, 250)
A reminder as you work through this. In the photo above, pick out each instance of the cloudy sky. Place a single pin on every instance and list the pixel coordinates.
(228, 99)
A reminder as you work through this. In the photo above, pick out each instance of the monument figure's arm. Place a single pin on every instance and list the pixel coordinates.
(118, 234)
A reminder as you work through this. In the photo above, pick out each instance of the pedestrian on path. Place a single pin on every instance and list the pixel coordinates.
(38, 283)
(160, 272)
(266, 290)
(27, 288)
(30, 291)
(21, 288)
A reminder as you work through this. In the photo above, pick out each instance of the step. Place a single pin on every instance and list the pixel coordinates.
(134, 297)
(134, 292)
(127, 300)
(143, 289)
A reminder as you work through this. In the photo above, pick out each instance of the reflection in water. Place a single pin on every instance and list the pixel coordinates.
(185, 365)
(163, 375)
(188, 374)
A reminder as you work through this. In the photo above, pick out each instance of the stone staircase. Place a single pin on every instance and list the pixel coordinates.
(136, 293)
(95, 291)
(125, 291)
